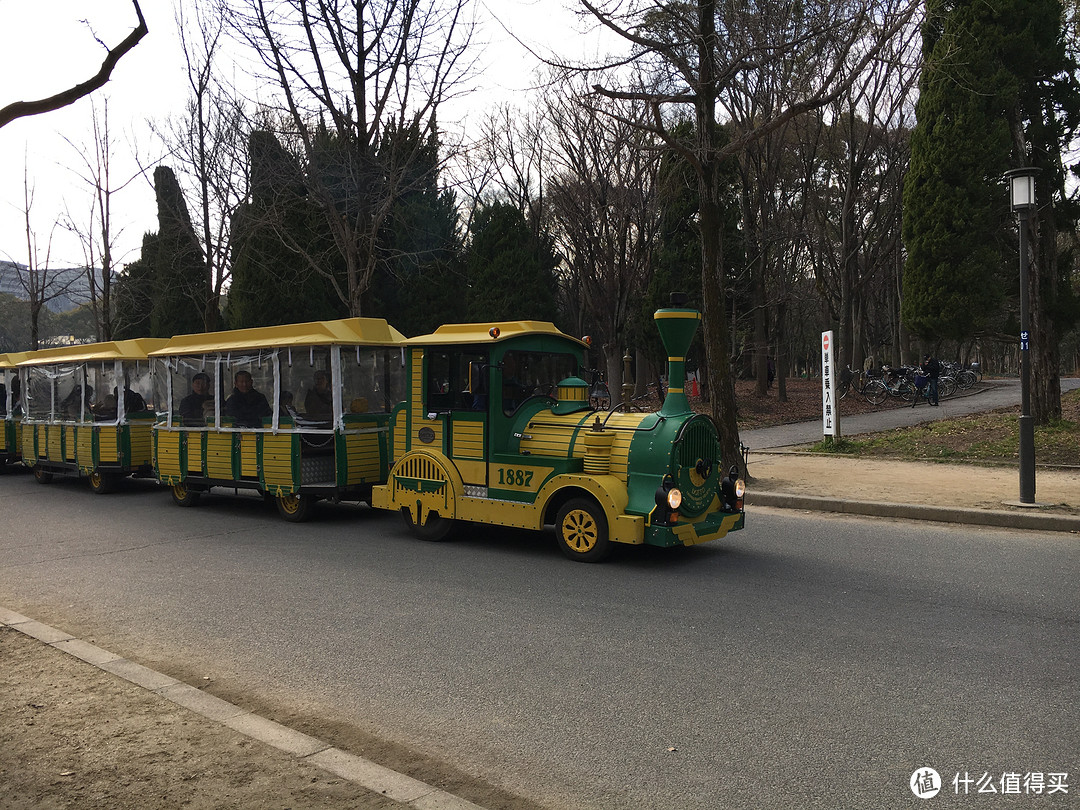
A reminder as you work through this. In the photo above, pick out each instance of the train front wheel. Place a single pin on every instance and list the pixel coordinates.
(581, 531)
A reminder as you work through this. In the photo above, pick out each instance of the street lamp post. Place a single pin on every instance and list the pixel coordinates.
(1022, 198)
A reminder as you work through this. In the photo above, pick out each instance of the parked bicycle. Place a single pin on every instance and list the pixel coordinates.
(856, 381)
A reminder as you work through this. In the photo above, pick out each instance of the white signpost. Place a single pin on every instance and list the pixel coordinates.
(830, 414)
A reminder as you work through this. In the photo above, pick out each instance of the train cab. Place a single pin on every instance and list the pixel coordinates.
(10, 409)
(298, 412)
(88, 411)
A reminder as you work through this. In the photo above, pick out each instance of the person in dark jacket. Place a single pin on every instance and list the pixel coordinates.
(932, 369)
(191, 406)
(319, 402)
(246, 405)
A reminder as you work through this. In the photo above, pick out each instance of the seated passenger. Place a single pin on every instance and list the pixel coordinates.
(319, 402)
(191, 406)
(133, 401)
(71, 406)
(246, 405)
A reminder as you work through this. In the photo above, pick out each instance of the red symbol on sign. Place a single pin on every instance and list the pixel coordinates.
(825, 341)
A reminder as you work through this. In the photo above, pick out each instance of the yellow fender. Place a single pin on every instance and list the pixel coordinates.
(610, 492)
(421, 481)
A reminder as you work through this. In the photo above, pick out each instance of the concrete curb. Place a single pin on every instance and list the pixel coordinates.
(359, 770)
(943, 514)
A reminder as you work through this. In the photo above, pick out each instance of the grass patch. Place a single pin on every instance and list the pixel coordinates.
(986, 437)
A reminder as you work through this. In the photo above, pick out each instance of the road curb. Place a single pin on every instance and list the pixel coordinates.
(364, 772)
(943, 514)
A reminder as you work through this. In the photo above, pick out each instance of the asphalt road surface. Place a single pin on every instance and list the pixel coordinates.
(808, 661)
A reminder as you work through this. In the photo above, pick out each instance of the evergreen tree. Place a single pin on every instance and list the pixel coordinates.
(1044, 124)
(419, 283)
(164, 292)
(954, 213)
(278, 238)
(511, 272)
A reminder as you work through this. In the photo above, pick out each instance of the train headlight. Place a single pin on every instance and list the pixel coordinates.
(732, 490)
(668, 501)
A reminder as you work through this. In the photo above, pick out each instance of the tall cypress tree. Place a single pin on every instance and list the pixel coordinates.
(165, 291)
(278, 235)
(954, 212)
(1044, 124)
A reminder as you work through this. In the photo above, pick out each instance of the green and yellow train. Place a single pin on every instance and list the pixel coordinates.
(484, 423)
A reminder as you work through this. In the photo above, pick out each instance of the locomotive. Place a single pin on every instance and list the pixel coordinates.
(497, 428)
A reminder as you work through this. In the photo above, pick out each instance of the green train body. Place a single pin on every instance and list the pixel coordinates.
(497, 428)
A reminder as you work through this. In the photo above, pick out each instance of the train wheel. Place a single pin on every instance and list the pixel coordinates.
(295, 508)
(582, 532)
(102, 483)
(436, 528)
(182, 496)
(41, 475)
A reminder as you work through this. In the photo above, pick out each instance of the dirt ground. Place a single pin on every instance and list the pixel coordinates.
(74, 737)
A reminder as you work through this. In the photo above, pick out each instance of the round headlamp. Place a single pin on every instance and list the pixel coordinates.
(674, 498)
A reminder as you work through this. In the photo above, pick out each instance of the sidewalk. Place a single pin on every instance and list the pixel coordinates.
(955, 493)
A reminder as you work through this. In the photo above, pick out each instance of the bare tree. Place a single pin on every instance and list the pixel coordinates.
(352, 77)
(39, 282)
(602, 196)
(208, 146)
(509, 158)
(703, 51)
(94, 228)
(22, 109)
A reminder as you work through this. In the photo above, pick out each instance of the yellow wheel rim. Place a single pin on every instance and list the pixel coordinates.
(290, 504)
(579, 530)
(95, 479)
(180, 491)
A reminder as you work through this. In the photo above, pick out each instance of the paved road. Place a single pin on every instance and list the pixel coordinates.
(990, 395)
(807, 661)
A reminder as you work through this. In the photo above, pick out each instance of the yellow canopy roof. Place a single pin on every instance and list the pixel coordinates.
(12, 359)
(347, 331)
(483, 332)
(135, 349)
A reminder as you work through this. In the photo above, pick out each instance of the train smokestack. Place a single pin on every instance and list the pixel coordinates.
(677, 325)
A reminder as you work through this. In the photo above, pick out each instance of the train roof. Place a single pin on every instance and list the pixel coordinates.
(346, 331)
(12, 359)
(134, 349)
(492, 332)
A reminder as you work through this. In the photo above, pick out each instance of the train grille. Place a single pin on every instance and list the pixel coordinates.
(697, 443)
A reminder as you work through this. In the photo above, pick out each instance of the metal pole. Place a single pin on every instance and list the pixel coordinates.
(1027, 421)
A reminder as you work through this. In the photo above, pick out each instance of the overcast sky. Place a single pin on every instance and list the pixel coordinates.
(47, 47)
